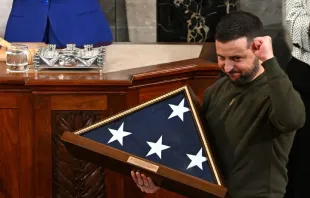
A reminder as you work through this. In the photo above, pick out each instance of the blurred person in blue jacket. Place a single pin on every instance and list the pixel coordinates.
(58, 22)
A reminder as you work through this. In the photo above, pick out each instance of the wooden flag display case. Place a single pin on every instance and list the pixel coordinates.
(163, 138)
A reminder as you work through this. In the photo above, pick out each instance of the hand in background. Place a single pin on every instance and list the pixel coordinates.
(144, 183)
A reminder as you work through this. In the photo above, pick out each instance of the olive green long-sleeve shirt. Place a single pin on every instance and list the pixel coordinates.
(251, 129)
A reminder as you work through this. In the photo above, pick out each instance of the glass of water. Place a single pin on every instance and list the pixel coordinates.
(17, 58)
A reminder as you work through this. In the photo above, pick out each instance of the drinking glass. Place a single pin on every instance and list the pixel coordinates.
(17, 58)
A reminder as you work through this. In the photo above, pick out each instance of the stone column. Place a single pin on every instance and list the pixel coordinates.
(115, 12)
(141, 16)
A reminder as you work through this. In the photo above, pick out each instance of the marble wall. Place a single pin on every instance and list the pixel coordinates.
(181, 20)
(145, 21)
(270, 11)
(190, 20)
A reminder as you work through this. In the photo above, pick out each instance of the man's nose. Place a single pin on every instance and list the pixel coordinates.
(228, 66)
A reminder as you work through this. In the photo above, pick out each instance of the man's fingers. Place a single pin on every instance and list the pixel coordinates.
(145, 184)
(257, 43)
(140, 180)
(145, 181)
(133, 175)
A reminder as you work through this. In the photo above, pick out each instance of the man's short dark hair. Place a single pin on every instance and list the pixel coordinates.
(238, 24)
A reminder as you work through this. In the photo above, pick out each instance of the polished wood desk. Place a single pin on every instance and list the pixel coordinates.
(36, 108)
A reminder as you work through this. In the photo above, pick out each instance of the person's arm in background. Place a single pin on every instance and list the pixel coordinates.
(298, 16)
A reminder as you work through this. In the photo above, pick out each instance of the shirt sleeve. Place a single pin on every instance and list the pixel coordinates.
(298, 18)
(287, 110)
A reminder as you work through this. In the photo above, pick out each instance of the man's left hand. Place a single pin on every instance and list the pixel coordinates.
(145, 184)
(262, 48)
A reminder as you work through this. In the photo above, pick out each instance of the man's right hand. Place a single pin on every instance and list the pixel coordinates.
(144, 183)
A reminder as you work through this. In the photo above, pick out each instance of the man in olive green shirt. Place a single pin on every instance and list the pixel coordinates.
(252, 113)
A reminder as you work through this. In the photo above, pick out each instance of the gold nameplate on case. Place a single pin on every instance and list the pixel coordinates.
(142, 164)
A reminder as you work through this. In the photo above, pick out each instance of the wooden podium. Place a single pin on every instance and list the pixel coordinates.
(36, 108)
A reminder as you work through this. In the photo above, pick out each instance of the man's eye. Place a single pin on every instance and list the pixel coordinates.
(237, 58)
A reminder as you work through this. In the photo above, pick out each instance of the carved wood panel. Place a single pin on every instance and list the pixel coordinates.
(9, 153)
(72, 177)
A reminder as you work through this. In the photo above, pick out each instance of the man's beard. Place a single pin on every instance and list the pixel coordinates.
(248, 76)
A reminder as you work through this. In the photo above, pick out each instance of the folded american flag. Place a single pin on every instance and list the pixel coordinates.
(164, 132)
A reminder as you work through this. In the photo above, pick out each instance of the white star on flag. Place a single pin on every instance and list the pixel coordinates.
(196, 160)
(157, 147)
(118, 134)
(178, 110)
